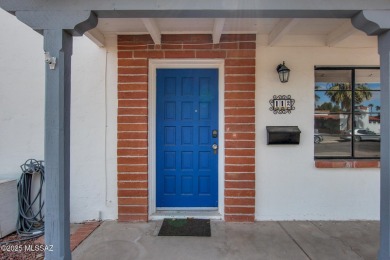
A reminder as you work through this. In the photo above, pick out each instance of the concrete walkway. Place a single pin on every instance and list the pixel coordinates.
(262, 240)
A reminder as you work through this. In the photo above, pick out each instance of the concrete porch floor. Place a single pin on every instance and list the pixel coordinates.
(261, 240)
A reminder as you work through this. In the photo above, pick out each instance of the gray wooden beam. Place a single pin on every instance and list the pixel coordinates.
(204, 8)
(384, 52)
(372, 22)
(74, 22)
(189, 5)
(226, 13)
(58, 44)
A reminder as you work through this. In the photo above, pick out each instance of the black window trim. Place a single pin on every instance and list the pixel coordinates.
(353, 69)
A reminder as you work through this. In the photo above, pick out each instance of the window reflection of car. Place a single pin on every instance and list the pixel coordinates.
(317, 137)
(361, 135)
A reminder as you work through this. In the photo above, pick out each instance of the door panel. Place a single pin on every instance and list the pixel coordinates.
(187, 113)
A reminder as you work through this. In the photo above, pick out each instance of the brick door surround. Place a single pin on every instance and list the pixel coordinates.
(239, 54)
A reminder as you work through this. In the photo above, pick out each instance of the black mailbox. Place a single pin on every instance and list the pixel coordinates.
(283, 134)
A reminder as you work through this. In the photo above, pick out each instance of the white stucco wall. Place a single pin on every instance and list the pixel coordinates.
(93, 138)
(288, 186)
(21, 95)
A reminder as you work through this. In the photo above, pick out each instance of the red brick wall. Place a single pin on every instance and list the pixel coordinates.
(239, 52)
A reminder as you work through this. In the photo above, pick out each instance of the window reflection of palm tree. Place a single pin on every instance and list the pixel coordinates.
(341, 94)
(378, 109)
(371, 106)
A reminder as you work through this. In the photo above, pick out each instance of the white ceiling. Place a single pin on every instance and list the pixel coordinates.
(270, 31)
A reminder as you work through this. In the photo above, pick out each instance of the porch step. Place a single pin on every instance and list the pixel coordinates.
(207, 214)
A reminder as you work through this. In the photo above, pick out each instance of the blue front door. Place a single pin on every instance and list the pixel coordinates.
(187, 129)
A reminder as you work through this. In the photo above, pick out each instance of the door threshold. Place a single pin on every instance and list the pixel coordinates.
(201, 214)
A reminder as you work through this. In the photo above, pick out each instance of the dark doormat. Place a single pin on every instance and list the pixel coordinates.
(185, 227)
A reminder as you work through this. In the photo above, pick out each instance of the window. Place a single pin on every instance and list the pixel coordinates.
(347, 113)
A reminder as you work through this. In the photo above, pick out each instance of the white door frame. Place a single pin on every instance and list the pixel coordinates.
(155, 64)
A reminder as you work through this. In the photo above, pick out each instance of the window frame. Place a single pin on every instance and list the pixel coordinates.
(353, 83)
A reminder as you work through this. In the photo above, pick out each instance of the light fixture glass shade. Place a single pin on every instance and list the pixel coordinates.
(284, 72)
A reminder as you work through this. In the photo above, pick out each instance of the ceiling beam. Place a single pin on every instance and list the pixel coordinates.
(96, 36)
(340, 34)
(153, 29)
(281, 29)
(217, 30)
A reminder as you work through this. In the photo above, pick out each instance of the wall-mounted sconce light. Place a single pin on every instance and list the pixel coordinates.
(283, 72)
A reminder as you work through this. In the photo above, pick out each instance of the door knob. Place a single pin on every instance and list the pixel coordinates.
(215, 148)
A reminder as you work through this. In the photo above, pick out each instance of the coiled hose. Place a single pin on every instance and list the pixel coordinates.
(30, 223)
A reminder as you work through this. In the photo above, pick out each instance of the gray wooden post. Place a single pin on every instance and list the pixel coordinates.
(384, 52)
(58, 44)
(377, 22)
(58, 28)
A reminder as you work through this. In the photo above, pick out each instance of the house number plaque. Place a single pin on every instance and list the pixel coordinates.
(282, 104)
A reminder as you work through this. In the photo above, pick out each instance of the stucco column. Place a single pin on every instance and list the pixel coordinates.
(384, 52)
(58, 44)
